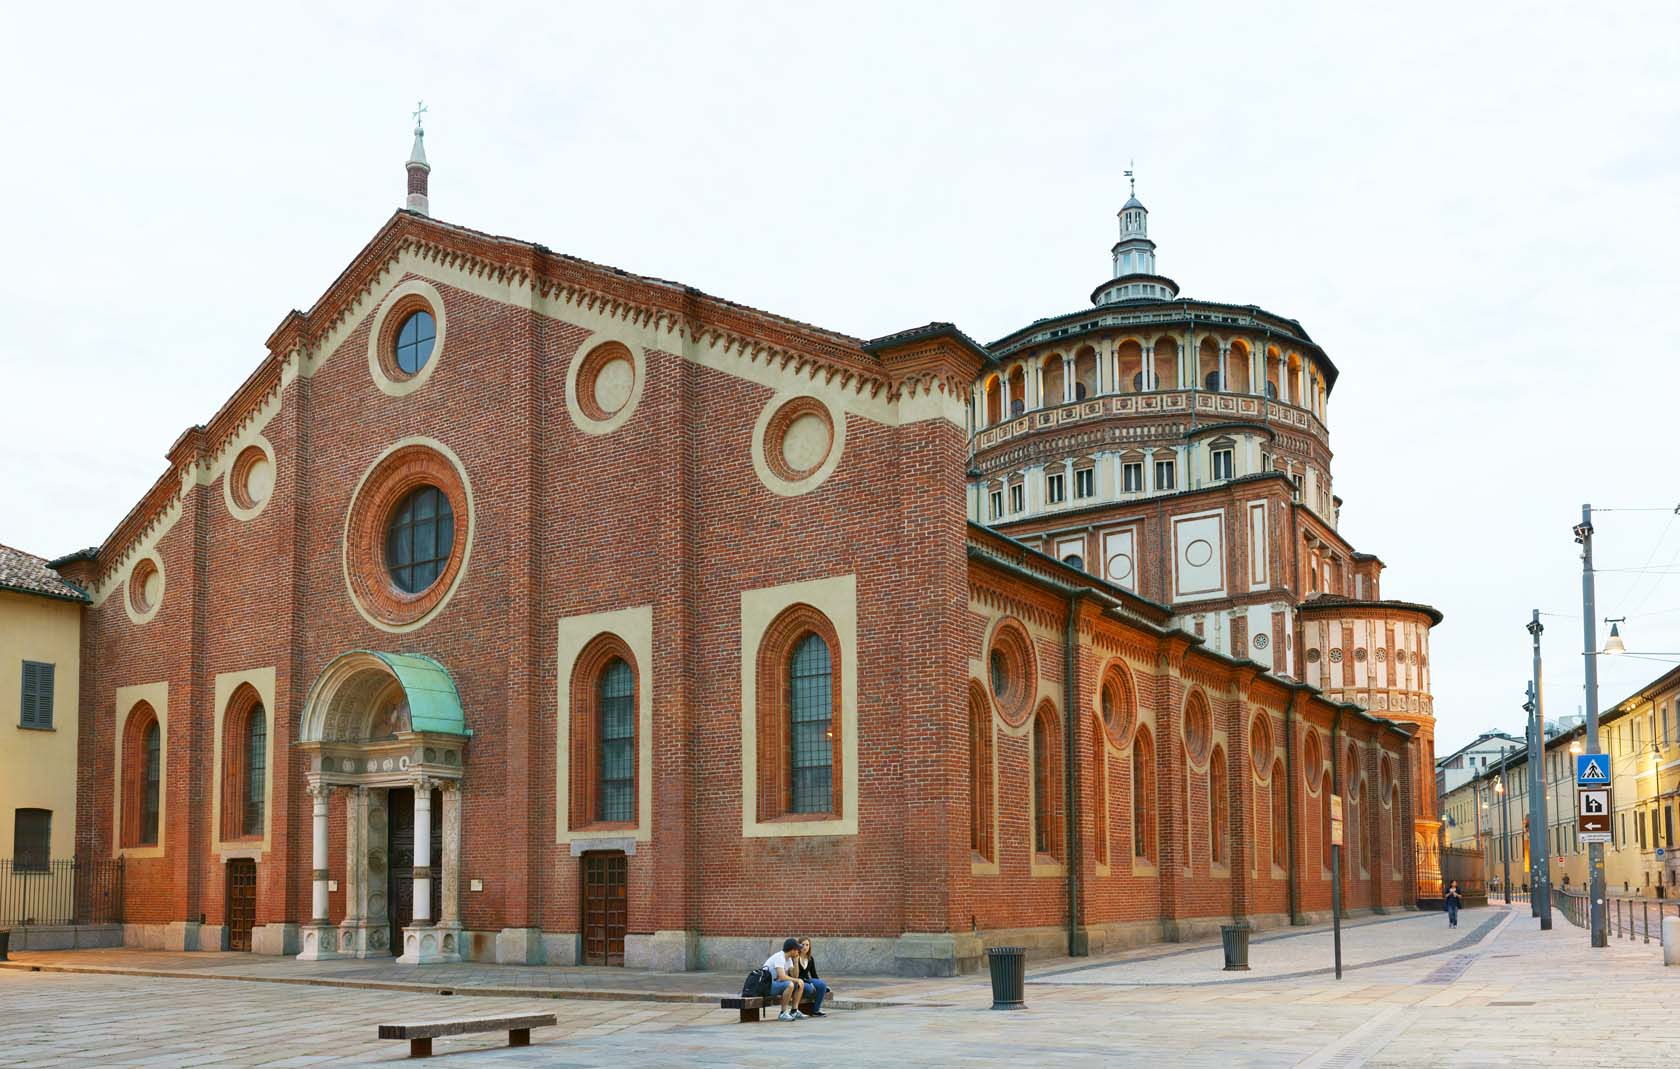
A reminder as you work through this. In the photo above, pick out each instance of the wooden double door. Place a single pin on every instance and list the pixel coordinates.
(400, 886)
(241, 902)
(605, 879)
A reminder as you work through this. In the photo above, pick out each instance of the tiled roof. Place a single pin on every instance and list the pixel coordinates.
(29, 574)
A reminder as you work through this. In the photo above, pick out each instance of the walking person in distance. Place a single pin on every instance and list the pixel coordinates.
(1453, 901)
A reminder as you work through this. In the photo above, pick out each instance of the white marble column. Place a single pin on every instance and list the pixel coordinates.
(1224, 361)
(422, 852)
(451, 873)
(319, 793)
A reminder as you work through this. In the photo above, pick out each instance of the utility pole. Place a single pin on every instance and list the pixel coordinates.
(1589, 651)
(1539, 843)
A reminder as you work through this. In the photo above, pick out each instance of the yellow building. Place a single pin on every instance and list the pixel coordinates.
(40, 666)
(1641, 735)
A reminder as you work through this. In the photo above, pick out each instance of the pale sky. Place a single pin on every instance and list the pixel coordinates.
(1472, 207)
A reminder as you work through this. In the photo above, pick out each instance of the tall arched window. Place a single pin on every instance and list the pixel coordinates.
(1399, 828)
(616, 751)
(602, 768)
(1046, 777)
(1280, 816)
(142, 777)
(980, 777)
(1099, 788)
(1143, 796)
(1219, 814)
(256, 771)
(811, 714)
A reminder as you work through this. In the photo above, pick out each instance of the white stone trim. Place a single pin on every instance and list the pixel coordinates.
(262, 681)
(634, 627)
(633, 339)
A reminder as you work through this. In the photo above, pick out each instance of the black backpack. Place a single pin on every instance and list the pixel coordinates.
(757, 984)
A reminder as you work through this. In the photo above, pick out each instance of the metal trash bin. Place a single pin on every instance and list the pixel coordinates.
(1009, 977)
(1235, 937)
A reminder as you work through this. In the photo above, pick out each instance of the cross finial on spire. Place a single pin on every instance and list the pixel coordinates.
(420, 109)
(1131, 175)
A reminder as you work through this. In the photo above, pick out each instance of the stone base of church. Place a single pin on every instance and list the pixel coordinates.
(275, 939)
(516, 946)
(431, 945)
(667, 951)
(364, 939)
(319, 942)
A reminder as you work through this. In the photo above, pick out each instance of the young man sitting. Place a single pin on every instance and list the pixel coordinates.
(785, 982)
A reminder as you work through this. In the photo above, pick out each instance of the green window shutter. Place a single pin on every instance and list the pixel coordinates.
(37, 711)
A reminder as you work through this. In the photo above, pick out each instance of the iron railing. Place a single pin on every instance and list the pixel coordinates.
(1624, 917)
(60, 892)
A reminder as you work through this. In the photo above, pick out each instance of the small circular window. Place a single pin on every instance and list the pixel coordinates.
(1012, 670)
(419, 539)
(414, 342)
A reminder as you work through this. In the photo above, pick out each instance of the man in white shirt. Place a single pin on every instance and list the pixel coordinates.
(784, 980)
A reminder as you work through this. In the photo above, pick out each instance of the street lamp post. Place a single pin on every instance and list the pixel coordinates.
(1539, 845)
(1589, 653)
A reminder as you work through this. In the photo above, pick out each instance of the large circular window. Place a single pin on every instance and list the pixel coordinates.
(1012, 671)
(419, 538)
(414, 341)
(408, 534)
(1118, 705)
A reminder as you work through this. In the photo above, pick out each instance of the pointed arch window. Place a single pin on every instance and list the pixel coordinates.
(1219, 815)
(1046, 777)
(605, 694)
(980, 779)
(142, 777)
(244, 774)
(1280, 816)
(799, 752)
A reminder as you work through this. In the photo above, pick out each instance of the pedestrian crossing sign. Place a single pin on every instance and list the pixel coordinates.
(1592, 768)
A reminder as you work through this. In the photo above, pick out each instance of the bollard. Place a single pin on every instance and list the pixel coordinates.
(1671, 940)
(1645, 908)
(1009, 974)
(1235, 938)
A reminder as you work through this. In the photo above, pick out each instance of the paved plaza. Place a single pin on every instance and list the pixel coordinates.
(1493, 991)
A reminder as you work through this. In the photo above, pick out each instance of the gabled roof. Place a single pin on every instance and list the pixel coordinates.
(26, 573)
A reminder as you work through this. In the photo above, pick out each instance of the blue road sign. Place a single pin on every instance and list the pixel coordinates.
(1591, 769)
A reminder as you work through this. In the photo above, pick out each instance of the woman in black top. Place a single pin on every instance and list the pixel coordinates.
(816, 989)
(1454, 900)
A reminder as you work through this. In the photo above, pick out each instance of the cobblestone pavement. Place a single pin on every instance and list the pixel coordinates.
(1494, 991)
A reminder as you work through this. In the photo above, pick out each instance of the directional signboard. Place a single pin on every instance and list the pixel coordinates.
(1592, 770)
(1336, 820)
(1592, 813)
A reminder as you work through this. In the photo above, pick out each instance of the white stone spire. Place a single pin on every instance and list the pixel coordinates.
(418, 168)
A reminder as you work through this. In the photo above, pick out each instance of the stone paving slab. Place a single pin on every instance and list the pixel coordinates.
(1514, 997)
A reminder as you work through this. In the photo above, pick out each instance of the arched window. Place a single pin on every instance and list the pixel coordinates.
(616, 798)
(256, 770)
(1212, 381)
(1280, 817)
(1399, 828)
(1074, 560)
(1219, 814)
(142, 777)
(980, 777)
(1368, 859)
(602, 728)
(1099, 788)
(798, 717)
(1046, 777)
(1143, 796)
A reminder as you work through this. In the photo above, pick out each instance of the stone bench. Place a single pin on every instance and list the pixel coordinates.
(420, 1036)
(752, 1007)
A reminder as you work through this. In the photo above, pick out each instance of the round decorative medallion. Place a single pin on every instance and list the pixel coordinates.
(1261, 641)
(144, 589)
(1198, 729)
(1198, 553)
(606, 380)
(1012, 671)
(798, 439)
(1119, 568)
(408, 535)
(1312, 656)
(1382, 654)
(797, 443)
(1359, 655)
(1399, 656)
(1117, 705)
(251, 479)
(1336, 655)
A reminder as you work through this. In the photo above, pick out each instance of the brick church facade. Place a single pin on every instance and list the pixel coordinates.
(522, 609)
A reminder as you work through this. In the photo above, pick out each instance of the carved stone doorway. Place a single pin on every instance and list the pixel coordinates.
(400, 877)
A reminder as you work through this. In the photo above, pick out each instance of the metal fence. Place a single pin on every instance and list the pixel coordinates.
(1624, 918)
(1464, 865)
(60, 892)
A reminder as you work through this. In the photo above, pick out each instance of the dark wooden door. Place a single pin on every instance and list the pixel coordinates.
(241, 902)
(400, 891)
(604, 880)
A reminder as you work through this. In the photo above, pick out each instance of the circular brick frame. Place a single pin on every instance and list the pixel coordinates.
(140, 608)
(1312, 761)
(769, 462)
(1261, 748)
(1010, 639)
(412, 295)
(1197, 729)
(405, 466)
(236, 489)
(1116, 689)
(587, 414)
